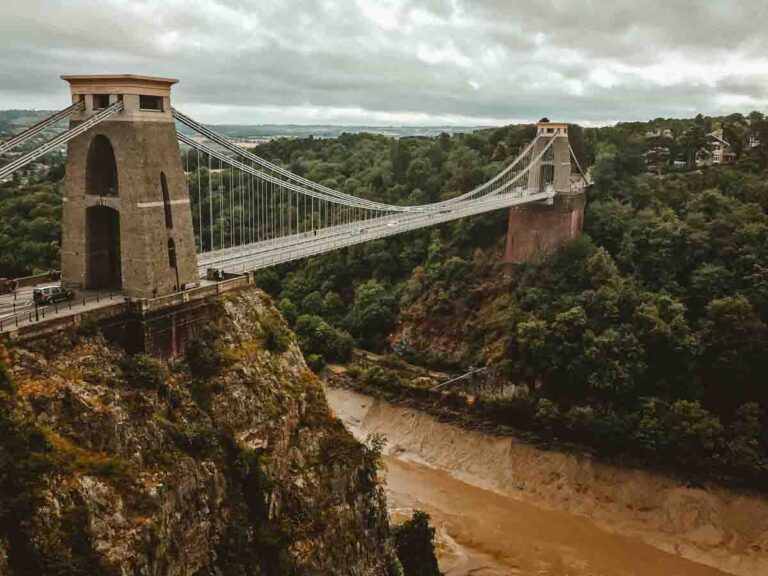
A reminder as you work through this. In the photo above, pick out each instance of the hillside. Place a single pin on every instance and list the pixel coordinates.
(647, 336)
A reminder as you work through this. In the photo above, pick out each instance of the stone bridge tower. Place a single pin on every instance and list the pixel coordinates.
(535, 230)
(127, 222)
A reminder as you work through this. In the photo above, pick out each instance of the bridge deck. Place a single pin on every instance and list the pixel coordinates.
(284, 249)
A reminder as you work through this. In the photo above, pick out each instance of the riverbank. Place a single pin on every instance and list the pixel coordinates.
(518, 509)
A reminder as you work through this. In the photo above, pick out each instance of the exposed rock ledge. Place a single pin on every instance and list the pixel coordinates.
(140, 469)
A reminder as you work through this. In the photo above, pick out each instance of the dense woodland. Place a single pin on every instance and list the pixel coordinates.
(647, 335)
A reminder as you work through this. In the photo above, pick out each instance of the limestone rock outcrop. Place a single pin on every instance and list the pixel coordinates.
(227, 462)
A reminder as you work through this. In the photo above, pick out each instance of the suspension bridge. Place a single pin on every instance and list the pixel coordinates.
(139, 218)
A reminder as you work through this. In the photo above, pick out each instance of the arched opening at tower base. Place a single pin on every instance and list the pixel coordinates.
(101, 170)
(103, 248)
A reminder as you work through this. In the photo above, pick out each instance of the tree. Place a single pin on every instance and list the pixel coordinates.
(400, 159)
(737, 135)
(734, 361)
(746, 449)
(269, 281)
(333, 308)
(316, 336)
(372, 314)
(694, 139)
(415, 543)
(760, 130)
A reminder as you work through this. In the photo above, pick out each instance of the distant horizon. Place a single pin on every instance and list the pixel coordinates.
(411, 126)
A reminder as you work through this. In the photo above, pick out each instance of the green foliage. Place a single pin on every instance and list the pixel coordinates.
(5, 379)
(197, 440)
(275, 336)
(647, 334)
(144, 371)
(202, 354)
(315, 362)
(269, 281)
(374, 449)
(288, 310)
(415, 542)
(372, 314)
(734, 356)
(316, 336)
(30, 228)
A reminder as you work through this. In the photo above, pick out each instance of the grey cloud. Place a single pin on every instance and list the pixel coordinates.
(751, 86)
(590, 60)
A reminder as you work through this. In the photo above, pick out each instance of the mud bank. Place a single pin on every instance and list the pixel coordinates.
(512, 508)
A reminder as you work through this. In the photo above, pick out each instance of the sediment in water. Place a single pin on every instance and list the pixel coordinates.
(712, 526)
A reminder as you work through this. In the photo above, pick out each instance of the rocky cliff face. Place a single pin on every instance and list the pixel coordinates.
(227, 463)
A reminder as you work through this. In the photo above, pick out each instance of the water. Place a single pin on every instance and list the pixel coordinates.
(484, 532)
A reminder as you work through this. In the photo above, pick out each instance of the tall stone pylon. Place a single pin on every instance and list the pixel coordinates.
(127, 222)
(535, 230)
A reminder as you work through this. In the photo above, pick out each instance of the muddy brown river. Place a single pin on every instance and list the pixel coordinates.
(489, 527)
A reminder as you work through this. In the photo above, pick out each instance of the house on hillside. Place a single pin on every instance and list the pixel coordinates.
(754, 141)
(716, 151)
(659, 133)
(656, 157)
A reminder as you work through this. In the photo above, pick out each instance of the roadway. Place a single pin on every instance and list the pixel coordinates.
(268, 253)
(18, 308)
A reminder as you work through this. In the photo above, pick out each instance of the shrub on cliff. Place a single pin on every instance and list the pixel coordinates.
(5, 379)
(415, 542)
(202, 354)
(144, 371)
(275, 337)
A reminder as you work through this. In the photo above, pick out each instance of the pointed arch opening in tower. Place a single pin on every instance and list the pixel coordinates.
(101, 169)
(103, 265)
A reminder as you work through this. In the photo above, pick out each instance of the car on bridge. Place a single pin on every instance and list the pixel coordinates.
(51, 294)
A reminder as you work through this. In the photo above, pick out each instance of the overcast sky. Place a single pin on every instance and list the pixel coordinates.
(400, 61)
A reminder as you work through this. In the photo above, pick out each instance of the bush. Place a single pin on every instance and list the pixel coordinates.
(315, 362)
(202, 354)
(415, 542)
(144, 371)
(547, 413)
(744, 449)
(381, 378)
(195, 440)
(269, 281)
(275, 337)
(288, 310)
(5, 379)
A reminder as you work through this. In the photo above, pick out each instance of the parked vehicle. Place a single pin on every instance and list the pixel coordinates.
(7, 286)
(51, 294)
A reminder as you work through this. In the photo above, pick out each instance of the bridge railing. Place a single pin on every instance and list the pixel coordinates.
(39, 313)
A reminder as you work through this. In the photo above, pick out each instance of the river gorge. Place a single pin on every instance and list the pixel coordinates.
(501, 506)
